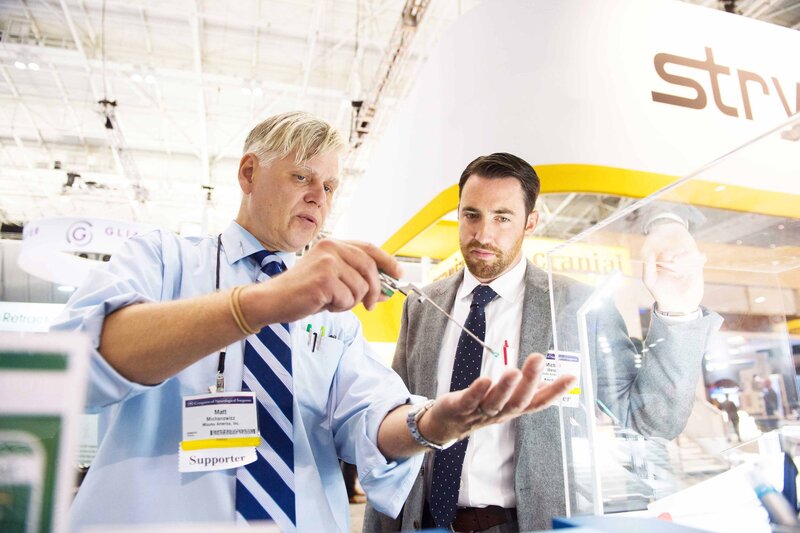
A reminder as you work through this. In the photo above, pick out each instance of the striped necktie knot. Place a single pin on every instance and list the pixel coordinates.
(270, 263)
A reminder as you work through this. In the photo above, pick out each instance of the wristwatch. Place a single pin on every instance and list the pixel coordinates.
(674, 314)
(412, 418)
(664, 218)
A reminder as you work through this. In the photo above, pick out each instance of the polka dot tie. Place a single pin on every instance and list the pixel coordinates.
(466, 369)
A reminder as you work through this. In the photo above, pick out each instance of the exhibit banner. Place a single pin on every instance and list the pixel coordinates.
(27, 316)
(63, 249)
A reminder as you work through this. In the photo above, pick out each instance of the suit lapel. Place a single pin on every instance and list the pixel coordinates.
(537, 329)
(433, 323)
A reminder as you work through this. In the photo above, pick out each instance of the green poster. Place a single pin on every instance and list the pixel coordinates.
(35, 466)
(28, 453)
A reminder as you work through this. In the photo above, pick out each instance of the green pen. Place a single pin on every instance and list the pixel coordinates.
(308, 330)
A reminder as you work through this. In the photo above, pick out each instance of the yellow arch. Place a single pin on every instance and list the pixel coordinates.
(383, 323)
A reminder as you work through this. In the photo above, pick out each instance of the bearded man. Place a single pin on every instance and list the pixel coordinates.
(509, 477)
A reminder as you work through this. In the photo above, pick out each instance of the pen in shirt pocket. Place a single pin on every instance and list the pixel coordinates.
(308, 332)
(315, 338)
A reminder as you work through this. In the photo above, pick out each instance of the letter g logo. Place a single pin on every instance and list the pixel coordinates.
(80, 233)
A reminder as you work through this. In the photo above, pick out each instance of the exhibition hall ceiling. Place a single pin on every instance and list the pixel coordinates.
(186, 80)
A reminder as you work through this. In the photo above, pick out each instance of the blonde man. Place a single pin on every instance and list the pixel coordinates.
(316, 392)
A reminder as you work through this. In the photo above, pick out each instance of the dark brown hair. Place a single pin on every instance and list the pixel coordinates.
(504, 165)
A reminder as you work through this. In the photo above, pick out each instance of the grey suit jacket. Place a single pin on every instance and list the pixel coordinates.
(655, 400)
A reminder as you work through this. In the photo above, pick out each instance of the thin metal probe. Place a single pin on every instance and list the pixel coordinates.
(424, 298)
(393, 284)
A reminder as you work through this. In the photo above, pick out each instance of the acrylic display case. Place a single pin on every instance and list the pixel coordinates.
(663, 402)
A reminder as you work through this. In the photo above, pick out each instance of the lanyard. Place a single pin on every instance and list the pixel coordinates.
(221, 364)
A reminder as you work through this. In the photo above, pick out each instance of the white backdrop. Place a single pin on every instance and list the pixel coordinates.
(571, 82)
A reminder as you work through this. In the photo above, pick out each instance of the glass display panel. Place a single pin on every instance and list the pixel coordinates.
(664, 398)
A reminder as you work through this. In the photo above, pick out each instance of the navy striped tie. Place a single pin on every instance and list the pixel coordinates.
(265, 488)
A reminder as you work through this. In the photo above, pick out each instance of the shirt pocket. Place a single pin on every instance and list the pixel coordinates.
(316, 371)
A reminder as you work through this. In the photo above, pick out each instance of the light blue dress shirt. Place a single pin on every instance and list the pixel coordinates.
(342, 394)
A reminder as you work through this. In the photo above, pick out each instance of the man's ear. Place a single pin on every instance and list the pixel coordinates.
(247, 167)
(530, 224)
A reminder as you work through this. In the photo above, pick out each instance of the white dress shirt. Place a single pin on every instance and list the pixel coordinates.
(487, 477)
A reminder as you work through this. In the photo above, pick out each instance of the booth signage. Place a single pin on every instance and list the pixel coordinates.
(57, 249)
(714, 70)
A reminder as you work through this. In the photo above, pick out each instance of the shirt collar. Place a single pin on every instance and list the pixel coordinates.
(509, 286)
(239, 243)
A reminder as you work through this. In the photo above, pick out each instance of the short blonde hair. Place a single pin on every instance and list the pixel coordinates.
(295, 131)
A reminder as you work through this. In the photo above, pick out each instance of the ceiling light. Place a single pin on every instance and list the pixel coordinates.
(246, 91)
(781, 226)
(66, 288)
(719, 188)
(33, 66)
(137, 77)
(20, 65)
(258, 91)
(760, 299)
(150, 79)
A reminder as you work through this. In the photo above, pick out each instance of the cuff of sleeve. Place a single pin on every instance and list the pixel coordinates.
(106, 385)
(393, 480)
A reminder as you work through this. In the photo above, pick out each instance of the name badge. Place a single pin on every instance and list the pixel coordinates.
(567, 364)
(220, 431)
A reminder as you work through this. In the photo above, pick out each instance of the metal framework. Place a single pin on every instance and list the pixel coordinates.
(189, 84)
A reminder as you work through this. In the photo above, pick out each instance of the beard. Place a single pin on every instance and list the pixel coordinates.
(490, 269)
